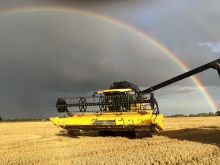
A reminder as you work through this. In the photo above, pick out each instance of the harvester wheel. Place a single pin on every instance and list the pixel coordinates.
(143, 133)
(71, 132)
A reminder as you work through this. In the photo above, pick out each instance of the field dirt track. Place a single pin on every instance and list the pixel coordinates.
(190, 140)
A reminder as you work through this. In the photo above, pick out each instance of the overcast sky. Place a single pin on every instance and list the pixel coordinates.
(45, 55)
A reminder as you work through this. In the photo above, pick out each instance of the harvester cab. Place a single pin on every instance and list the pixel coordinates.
(122, 94)
(122, 107)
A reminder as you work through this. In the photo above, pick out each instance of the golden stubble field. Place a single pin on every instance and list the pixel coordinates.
(192, 140)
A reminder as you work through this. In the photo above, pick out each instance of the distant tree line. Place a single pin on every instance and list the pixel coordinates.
(197, 115)
(23, 119)
(26, 119)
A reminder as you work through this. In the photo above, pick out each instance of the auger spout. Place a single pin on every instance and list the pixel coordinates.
(211, 65)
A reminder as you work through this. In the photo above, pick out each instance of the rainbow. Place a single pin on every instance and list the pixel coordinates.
(123, 25)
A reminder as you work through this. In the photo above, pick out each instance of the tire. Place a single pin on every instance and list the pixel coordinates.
(71, 132)
(143, 133)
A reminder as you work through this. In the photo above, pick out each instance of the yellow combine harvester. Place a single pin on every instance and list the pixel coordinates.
(122, 107)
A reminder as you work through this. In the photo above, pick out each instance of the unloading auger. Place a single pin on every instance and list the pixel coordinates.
(122, 107)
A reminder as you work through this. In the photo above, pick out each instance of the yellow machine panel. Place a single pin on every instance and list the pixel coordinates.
(128, 119)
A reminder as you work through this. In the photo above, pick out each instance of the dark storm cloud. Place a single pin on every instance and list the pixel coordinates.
(44, 55)
(48, 55)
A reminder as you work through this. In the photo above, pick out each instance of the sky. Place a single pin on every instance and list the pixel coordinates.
(48, 54)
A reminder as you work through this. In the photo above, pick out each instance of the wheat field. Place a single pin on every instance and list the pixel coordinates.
(190, 140)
